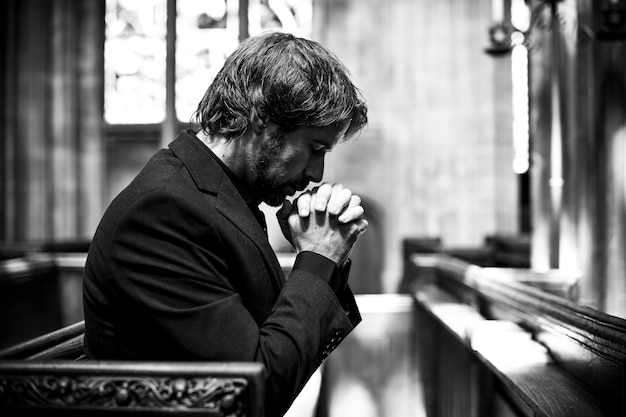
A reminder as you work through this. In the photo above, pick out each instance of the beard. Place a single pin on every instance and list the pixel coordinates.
(271, 190)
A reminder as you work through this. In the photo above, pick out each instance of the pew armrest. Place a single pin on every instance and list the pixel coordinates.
(64, 343)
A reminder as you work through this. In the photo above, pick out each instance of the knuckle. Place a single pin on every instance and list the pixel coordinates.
(337, 187)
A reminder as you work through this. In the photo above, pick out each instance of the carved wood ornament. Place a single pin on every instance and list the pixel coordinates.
(215, 396)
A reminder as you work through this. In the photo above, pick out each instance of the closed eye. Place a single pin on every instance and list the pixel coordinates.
(320, 148)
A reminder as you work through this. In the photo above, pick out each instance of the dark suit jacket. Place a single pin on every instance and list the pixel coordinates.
(180, 269)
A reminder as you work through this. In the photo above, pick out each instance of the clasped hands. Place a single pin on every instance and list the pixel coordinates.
(326, 220)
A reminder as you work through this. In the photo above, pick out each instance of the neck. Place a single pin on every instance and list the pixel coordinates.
(231, 154)
(220, 146)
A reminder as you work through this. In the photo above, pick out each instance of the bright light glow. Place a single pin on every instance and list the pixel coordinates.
(520, 15)
(458, 317)
(202, 49)
(134, 61)
(556, 182)
(384, 303)
(519, 73)
(497, 10)
(206, 34)
(507, 346)
(517, 38)
(502, 342)
(291, 16)
(351, 398)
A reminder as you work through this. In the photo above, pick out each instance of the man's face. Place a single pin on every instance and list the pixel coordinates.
(282, 165)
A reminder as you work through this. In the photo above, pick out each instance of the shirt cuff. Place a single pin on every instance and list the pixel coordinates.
(322, 267)
(315, 264)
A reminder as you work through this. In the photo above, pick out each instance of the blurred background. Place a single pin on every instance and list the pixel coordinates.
(93, 88)
(496, 127)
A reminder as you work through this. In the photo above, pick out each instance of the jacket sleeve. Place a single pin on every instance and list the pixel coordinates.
(176, 265)
(336, 277)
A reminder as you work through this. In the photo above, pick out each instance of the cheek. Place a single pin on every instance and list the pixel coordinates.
(291, 165)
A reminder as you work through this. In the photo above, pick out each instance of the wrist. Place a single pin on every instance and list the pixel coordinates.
(328, 254)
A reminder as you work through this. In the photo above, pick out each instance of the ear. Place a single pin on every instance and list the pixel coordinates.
(257, 124)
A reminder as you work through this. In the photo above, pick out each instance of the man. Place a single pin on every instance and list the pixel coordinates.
(180, 267)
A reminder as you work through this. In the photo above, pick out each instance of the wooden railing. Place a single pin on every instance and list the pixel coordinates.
(49, 374)
(493, 345)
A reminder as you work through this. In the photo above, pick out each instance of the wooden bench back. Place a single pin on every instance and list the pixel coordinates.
(50, 374)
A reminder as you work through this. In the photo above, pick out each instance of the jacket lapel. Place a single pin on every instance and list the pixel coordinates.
(210, 177)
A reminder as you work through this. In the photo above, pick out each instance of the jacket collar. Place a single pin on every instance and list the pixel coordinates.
(204, 170)
(210, 177)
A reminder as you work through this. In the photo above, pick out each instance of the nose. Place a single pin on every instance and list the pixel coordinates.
(314, 170)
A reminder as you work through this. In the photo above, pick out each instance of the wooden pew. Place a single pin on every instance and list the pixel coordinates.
(491, 344)
(50, 374)
(29, 298)
(65, 343)
(510, 251)
(41, 284)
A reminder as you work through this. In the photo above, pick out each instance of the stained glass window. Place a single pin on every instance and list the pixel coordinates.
(207, 31)
(293, 16)
(135, 61)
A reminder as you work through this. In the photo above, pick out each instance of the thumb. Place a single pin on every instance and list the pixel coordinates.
(283, 220)
(283, 213)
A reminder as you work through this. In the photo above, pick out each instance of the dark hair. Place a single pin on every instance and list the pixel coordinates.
(282, 79)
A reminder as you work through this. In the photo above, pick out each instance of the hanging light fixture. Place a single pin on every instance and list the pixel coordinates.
(510, 24)
(500, 28)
